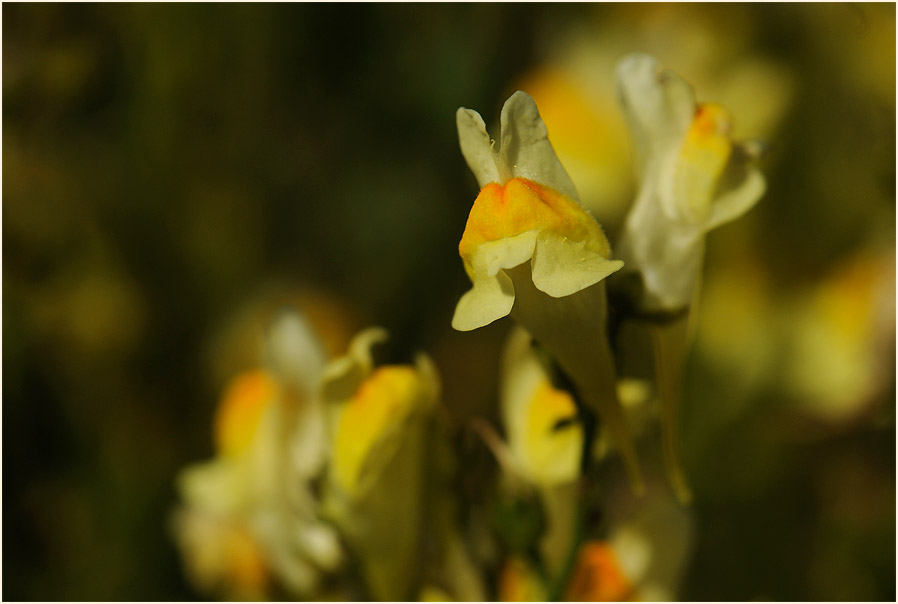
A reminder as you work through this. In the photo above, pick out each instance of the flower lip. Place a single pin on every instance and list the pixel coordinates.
(371, 408)
(527, 209)
(534, 413)
(520, 221)
(386, 396)
(521, 205)
(240, 411)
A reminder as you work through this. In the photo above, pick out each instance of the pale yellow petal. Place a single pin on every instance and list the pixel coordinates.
(562, 267)
(525, 146)
(658, 103)
(476, 146)
(489, 300)
(294, 352)
(509, 252)
(742, 185)
(344, 375)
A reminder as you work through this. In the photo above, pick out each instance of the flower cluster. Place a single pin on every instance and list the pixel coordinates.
(334, 477)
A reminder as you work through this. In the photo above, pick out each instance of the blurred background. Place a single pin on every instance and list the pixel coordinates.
(171, 173)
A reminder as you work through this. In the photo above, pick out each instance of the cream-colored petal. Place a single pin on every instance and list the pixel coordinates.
(294, 352)
(562, 267)
(521, 374)
(381, 520)
(492, 296)
(659, 105)
(666, 252)
(217, 486)
(489, 300)
(308, 440)
(741, 186)
(476, 146)
(321, 544)
(508, 252)
(524, 145)
(343, 376)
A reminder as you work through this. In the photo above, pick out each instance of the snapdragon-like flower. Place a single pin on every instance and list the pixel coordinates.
(526, 211)
(544, 438)
(378, 419)
(533, 252)
(644, 552)
(649, 543)
(693, 179)
(249, 517)
(221, 553)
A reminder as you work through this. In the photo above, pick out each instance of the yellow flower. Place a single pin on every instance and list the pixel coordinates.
(543, 432)
(693, 179)
(573, 86)
(387, 395)
(379, 420)
(545, 439)
(839, 337)
(533, 252)
(222, 556)
(249, 517)
(526, 211)
(240, 411)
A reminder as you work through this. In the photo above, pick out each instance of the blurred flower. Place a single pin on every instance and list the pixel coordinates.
(532, 251)
(842, 332)
(235, 344)
(693, 179)
(573, 86)
(543, 430)
(644, 555)
(545, 446)
(598, 576)
(544, 438)
(249, 515)
(544, 435)
(519, 582)
(378, 423)
(828, 345)
(221, 554)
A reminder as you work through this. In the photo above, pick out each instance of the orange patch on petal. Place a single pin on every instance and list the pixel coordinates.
(247, 563)
(598, 576)
(384, 398)
(703, 157)
(522, 205)
(240, 410)
(710, 120)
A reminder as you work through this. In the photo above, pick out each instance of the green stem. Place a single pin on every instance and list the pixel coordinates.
(669, 343)
(589, 424)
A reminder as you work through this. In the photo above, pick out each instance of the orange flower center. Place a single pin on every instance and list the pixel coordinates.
(522, 205)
